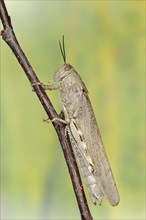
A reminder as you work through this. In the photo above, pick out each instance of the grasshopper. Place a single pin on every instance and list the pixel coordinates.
(84, 134)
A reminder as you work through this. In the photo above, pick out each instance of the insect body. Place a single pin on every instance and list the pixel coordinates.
(84, 135)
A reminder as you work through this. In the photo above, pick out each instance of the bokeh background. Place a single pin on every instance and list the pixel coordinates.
(105, 44)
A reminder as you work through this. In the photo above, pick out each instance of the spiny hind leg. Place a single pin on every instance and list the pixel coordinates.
(81, 145)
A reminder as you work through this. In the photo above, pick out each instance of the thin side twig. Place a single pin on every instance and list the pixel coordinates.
(9, 37)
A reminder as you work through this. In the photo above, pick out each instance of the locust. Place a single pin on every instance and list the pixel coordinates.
(83, 133)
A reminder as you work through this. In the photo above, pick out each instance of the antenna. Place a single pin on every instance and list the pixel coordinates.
(62, 49)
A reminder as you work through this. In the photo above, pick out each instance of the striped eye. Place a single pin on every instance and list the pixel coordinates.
(68, 67)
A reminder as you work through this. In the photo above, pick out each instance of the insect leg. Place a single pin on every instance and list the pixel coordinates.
(55, 119)
(84, 167)
(50, 87)
(77, 134)
(45, 87)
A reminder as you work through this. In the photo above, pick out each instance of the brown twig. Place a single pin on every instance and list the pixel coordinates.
(9, 37)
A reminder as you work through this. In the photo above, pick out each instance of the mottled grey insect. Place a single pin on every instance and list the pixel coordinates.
(84, 134)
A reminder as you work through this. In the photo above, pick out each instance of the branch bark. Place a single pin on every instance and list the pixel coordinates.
(9, 37)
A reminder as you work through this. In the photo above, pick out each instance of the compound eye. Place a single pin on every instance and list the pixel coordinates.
(68, 67)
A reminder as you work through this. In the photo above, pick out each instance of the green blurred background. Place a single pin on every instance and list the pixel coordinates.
(105, 44)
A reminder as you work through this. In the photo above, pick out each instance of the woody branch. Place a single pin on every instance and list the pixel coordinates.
(9, 37)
